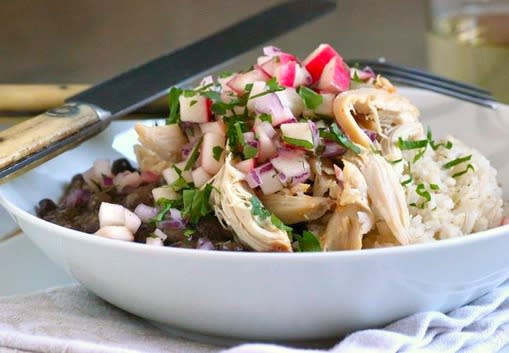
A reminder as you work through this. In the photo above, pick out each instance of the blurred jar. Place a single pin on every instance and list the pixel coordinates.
(468, 40)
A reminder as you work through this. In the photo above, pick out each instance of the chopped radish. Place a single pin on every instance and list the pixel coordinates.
(263, 59)
(325, 108)
(195, 109)
(270, 66)
(164, 192)
(246, 166)
(335, 76)
(270, 182)
(302, 77)
(208, 161)
(266, 147)
(316, 61)
(271, 104)
(132, 221)
(102, 167)
(216, 127)
(285, 74)
(290, 98)
(115, 232)
(238, 82)
(171, 175)
(154, 241)
(200, 177)
(223, 82)
(258, 87)
(111, 214)
(298, 134)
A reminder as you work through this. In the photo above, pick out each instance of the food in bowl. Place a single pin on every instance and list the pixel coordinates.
(287, 156)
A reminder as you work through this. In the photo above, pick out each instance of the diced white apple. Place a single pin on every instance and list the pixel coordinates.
(164, 192)
(132, 221)
(171, 175)
(270, 182)
(154, 241)
(115, 232)
(285, 74)
(216, 127)
(298, 134)
(316, 61)
(266, 147)
(195, 109)
(285, 116)
(335, 77)
(200, 177)
(291, 99)
(246, 166)
(207, 160)
(238, 82)
(325, 108)
(111, 214)
(258, 87)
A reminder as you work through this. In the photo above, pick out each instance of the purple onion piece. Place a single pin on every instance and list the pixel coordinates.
(252, 143)
(76, 197)
(186, 150)
(271, 50)
(301, 178)
(253, 178)
(371, 134)
(204, 243)
(332, 149)
(107, 181)
(145, 212)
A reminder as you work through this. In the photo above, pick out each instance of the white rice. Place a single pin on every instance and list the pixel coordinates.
(462, 205)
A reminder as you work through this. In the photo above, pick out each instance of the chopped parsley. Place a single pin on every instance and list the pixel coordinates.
(298, 142)
(181, 182)
(193, 157)
(407, 181)
(258, 210)
(356, 77)
(312, 100)
(456, 161)
(335, 134)
(189, 232)
(265, 117)
(411, 145)
(307, 242)
(196, 203)
(469, 167)
(396, 161)
(273, 86)
(165, 205)
(434, 187)
(249, 151)
(173, 101)
(217, 151)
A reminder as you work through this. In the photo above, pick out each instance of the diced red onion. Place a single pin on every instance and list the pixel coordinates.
(332, 149)
(186, 150)
(249, 136)
(171, 224)
(107, 181)
(204, 243)
(254, 179)
(367, 73)
(314, 132)
(252, 143)
(267, 128)
(145, 212)
(76, 197)
(371, 134)
(300, 178)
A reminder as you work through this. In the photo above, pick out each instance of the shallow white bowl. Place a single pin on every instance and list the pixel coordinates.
(263, 296)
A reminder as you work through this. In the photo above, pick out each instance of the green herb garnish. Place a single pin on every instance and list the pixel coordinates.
(249, 151)
(407, 181)
(173, 101)
(181, 182)
(411, 145)
(189, 232)
(193, 157)
(312, 100)
(265, 117)
(336, 135)
(434, 187)
(298, 142)
(165, 206)
(196, 203)
(456, 161)
(421, 191)
(307, 242)
(469, 167)
(217, 151)
(434, 145)
(396, 161)
(257, 209)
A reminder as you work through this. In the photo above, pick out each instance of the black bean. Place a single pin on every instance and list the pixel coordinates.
(121, 165)
(45, 206)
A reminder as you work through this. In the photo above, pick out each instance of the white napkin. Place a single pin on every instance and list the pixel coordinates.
(72, 320)
(481, 326)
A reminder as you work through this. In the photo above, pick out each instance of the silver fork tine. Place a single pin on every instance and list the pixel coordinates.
(423, 79)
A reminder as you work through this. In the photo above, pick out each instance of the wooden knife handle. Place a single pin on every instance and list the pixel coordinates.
(35, 135)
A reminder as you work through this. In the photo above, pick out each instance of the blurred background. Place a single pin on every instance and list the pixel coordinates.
(86, 41)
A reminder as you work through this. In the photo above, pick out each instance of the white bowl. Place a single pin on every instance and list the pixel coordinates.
(266, 296)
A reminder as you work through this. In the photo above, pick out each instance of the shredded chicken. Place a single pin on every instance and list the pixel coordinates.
(296, 209)
(232, 200)
(165, 140)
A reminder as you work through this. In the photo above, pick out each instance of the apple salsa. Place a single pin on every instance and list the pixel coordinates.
(289, 155)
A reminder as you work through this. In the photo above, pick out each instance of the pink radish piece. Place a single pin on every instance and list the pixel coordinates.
(302, 77)
(246, 166)
(223, 81)
(200, 177)
(115, 232)
(270, 66)
(207, 160)
(149, 177)
(238, 82)
(111, 214)
(285, 74)
(217, 127)
(316, 61)
(335, 77)
(292, 166)
(195, 109)
(266, 147)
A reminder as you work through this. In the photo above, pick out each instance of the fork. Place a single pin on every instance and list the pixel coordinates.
(422, 79)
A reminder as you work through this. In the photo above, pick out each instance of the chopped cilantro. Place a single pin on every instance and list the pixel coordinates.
(419, 154)
(435, 145)
(336, 135)
(421, 191)
(196, 203)
(456, 161)
(189, 232)
(224, 74)
(469, 167)
(173, 101)
(193, 157)
(434, 187)
(312, 100)
(307, 242)
(265, 117)
(411, 145)
(258, 210)
(249, 151)
(217, 151)
(298, 142)
(273, 86)
(188, 93)
(165, 206)
(356, 77)
(180, 183)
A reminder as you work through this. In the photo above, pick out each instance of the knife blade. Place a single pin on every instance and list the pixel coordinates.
(36, 140)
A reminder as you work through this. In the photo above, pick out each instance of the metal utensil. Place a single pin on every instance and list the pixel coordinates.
(34, 141)
(422, 79)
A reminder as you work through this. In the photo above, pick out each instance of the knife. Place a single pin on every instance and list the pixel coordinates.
(30, 143)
